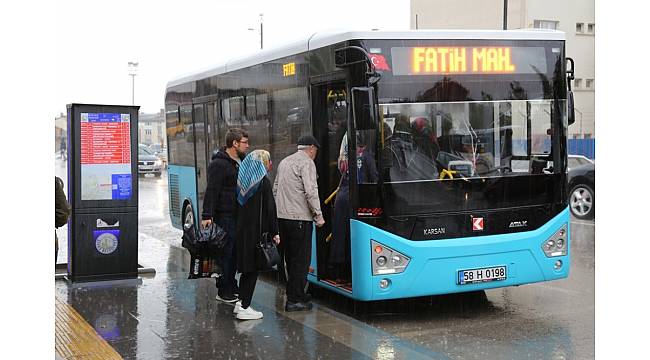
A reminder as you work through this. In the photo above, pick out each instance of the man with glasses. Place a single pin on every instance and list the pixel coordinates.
(220, 205)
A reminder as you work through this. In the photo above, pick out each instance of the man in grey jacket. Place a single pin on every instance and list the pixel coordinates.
(298, 206)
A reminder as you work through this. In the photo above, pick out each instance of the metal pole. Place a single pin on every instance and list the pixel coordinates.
(505, 14)
(416, 21)
(132, 89)
(261, 36)
(133, 68)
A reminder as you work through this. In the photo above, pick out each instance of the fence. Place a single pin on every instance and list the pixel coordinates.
(586, 147)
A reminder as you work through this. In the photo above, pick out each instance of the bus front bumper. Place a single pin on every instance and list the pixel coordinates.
(435, 265)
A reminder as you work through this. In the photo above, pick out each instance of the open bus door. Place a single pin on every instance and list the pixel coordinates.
(330, 123)
(339, 125)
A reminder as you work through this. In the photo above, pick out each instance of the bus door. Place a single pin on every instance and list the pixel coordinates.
(213, 141)
(200, 149)
(329, 122)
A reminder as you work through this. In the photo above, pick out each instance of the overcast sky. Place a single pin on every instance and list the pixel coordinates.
(96, 40)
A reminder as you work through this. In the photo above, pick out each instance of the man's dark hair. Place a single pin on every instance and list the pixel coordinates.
(234, 134)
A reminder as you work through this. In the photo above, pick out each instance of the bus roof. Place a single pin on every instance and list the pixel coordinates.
(322, 39)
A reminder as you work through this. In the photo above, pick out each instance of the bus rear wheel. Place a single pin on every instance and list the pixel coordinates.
(188, 217)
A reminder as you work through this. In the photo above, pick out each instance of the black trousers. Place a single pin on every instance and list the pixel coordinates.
(247, 287)
(296, 236)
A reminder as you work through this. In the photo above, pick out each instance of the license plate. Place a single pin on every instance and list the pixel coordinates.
(473, 276)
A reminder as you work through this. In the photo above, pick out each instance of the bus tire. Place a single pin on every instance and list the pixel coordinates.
(188, 216)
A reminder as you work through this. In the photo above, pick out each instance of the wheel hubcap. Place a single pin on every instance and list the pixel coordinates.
(581, 201)
(189, 218)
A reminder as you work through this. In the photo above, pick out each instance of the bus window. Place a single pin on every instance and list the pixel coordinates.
(214, 140)
(540, 120)
(173, 122)
(468, 139)
(185, 146)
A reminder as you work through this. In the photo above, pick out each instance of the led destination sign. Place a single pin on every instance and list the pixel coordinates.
(468, 60)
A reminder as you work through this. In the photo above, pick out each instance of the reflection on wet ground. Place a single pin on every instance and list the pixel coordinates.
(167, 316)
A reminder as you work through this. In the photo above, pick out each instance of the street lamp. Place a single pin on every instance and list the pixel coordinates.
(133, 71)
(261, 32)
(505, 14)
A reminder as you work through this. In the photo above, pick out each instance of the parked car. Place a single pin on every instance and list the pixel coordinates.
(159, 151)
(577, 160)
(148, 162)
(582, 196)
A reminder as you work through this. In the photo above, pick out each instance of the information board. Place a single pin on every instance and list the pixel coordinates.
(105, 156)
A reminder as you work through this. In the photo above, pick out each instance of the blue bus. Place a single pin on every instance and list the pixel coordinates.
(460, 147)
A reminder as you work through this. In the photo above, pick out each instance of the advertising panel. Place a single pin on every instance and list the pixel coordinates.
(105, 156)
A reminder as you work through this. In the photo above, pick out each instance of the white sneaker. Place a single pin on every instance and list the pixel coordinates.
(249, 314)
(237, 307)
(227, 299)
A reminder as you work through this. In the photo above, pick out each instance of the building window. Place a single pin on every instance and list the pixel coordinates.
(589, 83)
(577, 83)
(545, 24)
(580, 27)
(591, 28)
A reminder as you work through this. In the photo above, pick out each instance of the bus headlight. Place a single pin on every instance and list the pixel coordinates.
(556, 244)
(380, 259)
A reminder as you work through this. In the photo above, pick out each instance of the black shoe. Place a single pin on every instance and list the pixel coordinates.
(299, 306)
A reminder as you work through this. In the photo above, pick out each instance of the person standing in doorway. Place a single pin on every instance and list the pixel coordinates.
(220, 206)
(298, 206)
(256, 215)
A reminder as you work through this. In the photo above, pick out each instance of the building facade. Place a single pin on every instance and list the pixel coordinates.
(151, 128)
(576, 18)
(60, 131)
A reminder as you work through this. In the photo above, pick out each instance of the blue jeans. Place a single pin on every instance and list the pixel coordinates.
(228, 257)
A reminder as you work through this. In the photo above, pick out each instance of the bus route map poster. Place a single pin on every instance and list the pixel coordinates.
(105, 156)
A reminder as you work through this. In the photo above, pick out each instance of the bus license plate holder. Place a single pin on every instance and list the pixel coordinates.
(481, 275)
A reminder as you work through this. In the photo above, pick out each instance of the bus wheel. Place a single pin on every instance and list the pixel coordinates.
(188, 217)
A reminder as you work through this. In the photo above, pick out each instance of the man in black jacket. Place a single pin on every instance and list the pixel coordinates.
(220, 205)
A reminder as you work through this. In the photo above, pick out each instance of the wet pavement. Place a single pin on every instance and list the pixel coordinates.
(167, 316)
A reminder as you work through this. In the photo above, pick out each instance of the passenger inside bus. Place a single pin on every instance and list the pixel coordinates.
(410, 155)
(339, 254)
(425, 138)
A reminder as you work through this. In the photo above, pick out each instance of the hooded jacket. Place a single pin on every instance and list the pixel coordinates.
(221, 192)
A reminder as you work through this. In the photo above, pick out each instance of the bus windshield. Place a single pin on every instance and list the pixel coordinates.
(439, 141)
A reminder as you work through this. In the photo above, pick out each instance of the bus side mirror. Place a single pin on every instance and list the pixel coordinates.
(571, 116)
(363, 108)
(570, 108)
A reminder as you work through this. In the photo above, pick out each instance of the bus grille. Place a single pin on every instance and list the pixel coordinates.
(174, 196)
